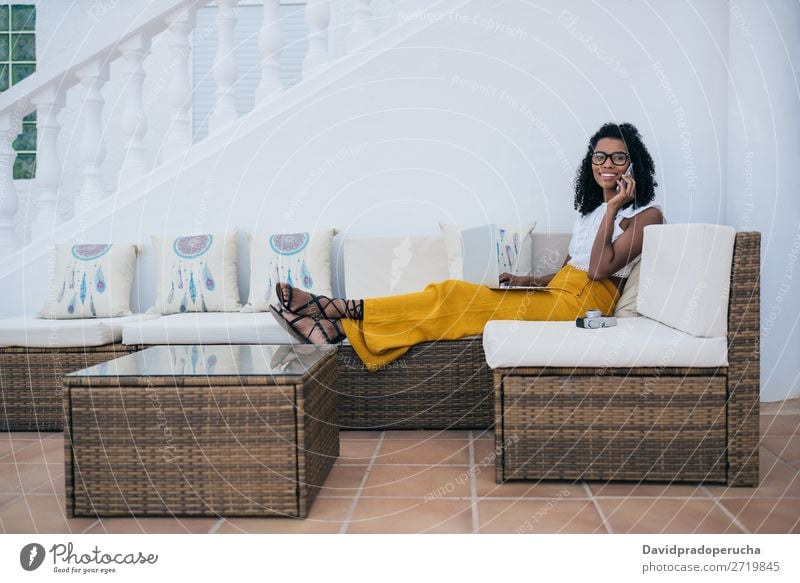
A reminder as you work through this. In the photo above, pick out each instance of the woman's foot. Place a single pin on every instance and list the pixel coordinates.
(309, 329)
(304, 303)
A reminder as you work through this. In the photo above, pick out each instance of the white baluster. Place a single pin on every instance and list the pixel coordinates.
(318, 17)
(225, 70)
(134, 116)
(270, 43)
(49, 104)
(10, 126)
(92, 148)
(361, 31)
(178, 138)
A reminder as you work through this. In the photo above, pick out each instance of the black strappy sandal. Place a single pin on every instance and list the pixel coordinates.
(288, 321)
(317, 305)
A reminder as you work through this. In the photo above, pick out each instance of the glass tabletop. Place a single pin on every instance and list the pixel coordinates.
(222, 360)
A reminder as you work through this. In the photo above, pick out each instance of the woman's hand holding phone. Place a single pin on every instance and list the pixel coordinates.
(626, 188)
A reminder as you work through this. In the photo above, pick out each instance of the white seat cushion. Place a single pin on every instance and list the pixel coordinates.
(49, 333)
(208, 328)
(383, 266)
(634, 342)
(685, 277)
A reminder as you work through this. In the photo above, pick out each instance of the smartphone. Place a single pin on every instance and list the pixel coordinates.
(628, 172)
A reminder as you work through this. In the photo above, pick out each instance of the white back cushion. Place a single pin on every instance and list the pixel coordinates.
(685, 277)
(514, 244)
(383, 266)
(549, 251)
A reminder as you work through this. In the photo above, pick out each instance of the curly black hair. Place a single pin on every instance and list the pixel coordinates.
(589, 195)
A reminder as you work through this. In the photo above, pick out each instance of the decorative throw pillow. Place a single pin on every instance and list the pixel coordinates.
(299, 259)
(91, 281)
(197, 273)
(514, 249)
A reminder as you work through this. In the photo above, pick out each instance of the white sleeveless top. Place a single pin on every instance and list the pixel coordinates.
(585, 230)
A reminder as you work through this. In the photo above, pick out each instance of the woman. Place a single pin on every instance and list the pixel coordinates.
(613, 209)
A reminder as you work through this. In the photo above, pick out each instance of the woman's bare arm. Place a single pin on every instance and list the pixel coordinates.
(607, 257)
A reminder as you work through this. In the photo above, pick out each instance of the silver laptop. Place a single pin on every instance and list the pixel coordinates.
(479, 257)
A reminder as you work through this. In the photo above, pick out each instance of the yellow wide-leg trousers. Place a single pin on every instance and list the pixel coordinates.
(453, 309)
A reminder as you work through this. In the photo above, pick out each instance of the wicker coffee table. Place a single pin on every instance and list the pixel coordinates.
(201, 431)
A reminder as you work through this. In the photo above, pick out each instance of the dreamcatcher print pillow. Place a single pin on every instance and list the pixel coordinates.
(91, 281)
(197, 273)
(299, 259)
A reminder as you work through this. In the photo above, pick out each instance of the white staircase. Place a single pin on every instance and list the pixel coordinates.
(78, 81)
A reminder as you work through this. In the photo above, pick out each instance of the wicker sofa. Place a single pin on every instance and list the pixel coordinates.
(34, 356)
(449, 385)
(663, 422)
(436, 385)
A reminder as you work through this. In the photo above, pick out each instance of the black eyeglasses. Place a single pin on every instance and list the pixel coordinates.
(617, 158)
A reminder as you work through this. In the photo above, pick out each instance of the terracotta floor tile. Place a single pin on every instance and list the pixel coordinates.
(343, 481)
(418, 481)
(780, 424)
(9, 446)
(411, 516)
(326, 516)
(40, 514)
(786, 448)
(483, 434)
(487, 487)
(485, 457)
(432, 451)
(44, 451)
(152, 525)
(649, 489)
(6, 447)
(539, 516)
(778, 480)
(25, 477)
(417, 434)
(356, 451)
(56, 486)
(766, 515)
(657, 516)
(359, 435)
(485, 452)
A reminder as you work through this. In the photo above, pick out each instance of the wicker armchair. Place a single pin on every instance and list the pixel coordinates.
(672, 424)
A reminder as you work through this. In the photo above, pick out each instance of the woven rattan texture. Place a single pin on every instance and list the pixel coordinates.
(319, 432)
(31, 382)
(614, 427)
(744, 335)
(155, 449)
(436, 385)
(692, 424)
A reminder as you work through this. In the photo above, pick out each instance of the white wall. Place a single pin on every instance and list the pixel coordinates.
(762, 180)
(483, 117)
